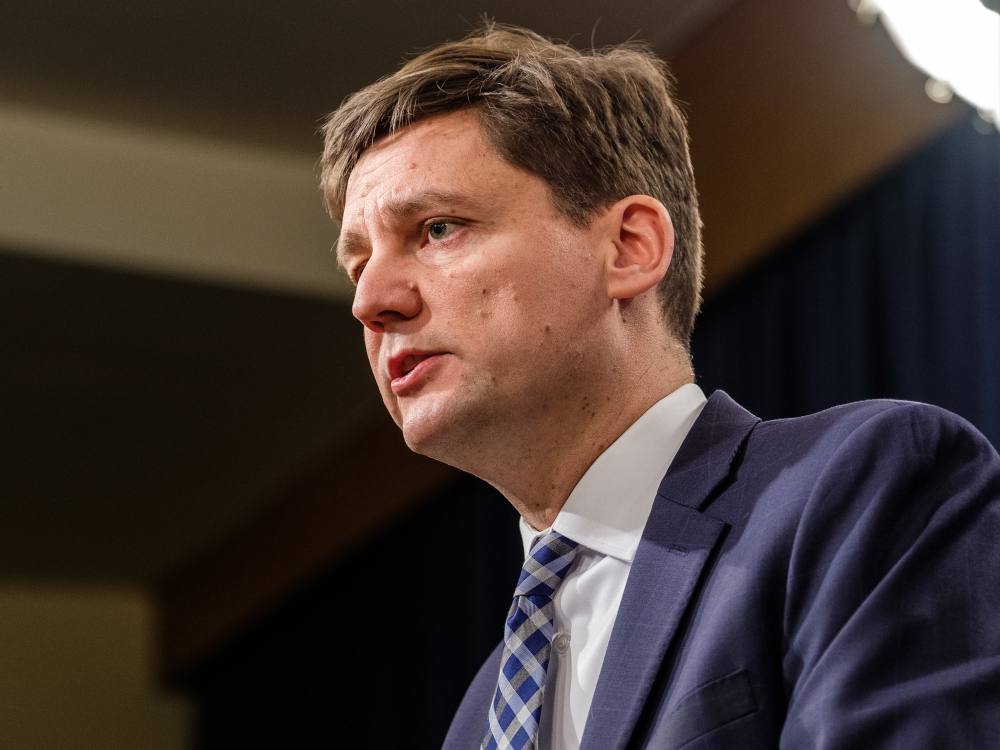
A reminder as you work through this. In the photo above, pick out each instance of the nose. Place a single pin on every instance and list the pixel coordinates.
(386, 294)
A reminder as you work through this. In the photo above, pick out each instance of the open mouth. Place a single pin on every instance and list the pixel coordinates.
(411, 361)
(408, 370)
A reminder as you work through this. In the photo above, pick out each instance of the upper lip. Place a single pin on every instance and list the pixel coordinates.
(404, 361)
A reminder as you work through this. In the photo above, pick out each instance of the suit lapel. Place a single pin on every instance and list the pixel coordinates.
(468, 727)
(676, 544)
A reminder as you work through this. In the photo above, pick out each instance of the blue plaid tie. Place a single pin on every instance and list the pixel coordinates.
(517, 703)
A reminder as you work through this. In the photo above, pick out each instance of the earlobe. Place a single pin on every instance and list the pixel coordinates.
(643, 246)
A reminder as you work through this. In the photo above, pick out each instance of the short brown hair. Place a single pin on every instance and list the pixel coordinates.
(596, 125)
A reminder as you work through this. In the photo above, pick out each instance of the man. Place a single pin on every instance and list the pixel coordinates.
(521, 222)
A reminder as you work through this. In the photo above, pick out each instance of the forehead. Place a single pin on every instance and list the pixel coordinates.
(440, 153)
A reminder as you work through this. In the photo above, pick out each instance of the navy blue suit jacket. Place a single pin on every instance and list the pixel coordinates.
(825, 582)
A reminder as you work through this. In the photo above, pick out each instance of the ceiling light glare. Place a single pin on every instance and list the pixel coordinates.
(955, 42)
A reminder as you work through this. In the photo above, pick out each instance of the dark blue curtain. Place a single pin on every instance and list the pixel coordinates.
(894, 294)
(378, 651)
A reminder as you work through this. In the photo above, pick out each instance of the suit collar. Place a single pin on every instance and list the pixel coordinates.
(709, 453)
(676, 545)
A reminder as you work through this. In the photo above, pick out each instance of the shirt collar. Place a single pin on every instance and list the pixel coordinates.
(607, 510)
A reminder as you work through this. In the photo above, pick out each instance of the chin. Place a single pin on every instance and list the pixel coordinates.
(417, 441)
(441, 434)
(427, 439)
(421, 430)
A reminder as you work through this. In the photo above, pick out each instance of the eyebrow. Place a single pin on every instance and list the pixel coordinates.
(351, 243)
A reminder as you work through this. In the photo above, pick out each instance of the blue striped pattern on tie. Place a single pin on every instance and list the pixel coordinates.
(517, 704)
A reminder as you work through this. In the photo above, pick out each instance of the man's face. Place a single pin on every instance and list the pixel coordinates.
(480, 301)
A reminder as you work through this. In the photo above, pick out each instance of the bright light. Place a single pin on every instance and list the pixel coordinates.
(956, 42)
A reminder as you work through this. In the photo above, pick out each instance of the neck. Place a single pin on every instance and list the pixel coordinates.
(538, 468)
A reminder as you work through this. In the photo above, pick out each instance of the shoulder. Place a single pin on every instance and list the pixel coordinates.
(890, 552)
(860, 482)
(891, 434)
(860, 487)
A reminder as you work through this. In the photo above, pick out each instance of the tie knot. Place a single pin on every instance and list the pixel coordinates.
(547, 564)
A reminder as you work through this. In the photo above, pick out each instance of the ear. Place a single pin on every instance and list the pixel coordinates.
(642, 245)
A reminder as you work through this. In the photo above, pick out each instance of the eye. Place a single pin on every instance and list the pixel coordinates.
(355, 273)
(439, 230)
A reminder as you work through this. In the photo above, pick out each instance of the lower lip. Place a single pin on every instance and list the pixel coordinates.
(416, 377)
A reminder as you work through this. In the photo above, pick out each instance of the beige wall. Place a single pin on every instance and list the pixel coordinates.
(96, 192)
(76, 672)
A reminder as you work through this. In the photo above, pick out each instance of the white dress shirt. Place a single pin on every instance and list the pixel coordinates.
(605, 514)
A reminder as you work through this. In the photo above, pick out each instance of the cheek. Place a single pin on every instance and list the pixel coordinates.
(493, 307)
(372, 342)
(468, 302)
(517, 320)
